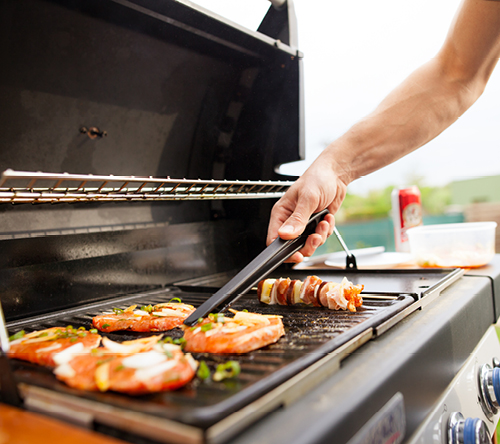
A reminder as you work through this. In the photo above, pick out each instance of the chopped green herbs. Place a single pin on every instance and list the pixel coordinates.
(118, 310)
(175, 300)
(59, 333)
(93, 330)
(203, 371)
(230, 369)
(147, 308)
(206, 327)
(169, 340)
(105, 325)
(180, 341)
(18, 335)
(217, 317)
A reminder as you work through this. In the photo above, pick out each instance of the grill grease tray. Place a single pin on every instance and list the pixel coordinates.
(311, 333)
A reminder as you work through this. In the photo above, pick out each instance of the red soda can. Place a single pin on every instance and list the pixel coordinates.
(406, 213)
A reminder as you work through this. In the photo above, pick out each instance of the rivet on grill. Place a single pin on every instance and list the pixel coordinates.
(93, 132)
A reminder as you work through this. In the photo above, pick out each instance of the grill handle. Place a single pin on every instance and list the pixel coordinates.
(273, 256)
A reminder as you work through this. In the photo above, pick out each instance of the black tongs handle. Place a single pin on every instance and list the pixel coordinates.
(273, 256)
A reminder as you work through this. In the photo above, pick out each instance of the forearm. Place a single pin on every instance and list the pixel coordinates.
(428, 101)
(423, 106)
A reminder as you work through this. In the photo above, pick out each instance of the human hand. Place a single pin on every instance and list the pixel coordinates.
(318, 188)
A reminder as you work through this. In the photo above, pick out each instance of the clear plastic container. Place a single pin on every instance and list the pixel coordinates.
(465, 245)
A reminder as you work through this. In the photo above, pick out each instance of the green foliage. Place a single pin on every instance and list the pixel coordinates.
(377, 204)
(435, 199)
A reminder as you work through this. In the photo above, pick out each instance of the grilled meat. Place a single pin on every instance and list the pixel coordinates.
(240, 334)
(313, 291)
(160, 317)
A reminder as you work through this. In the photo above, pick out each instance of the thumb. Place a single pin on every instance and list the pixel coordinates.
(295, 224)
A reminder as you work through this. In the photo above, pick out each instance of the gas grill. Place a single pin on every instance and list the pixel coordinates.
(140, 141)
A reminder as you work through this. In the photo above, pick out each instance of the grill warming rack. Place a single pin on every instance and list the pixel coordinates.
(38, 187)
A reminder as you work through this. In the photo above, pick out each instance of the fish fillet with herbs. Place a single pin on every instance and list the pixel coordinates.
(148, 318)
(54, 345)
(137, 367)
(241, 333)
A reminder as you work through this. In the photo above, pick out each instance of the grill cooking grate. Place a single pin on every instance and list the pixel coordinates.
(310, 334)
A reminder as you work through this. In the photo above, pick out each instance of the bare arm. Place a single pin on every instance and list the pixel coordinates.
(425, 104)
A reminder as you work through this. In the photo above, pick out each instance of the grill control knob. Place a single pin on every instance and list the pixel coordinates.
(467, 431)
(489, 389)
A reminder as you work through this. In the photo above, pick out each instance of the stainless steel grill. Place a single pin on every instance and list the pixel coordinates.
(151, 90)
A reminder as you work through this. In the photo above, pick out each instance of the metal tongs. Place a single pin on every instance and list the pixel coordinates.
(273, 256)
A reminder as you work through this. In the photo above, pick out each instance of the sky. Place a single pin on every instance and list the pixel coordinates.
(355, 53)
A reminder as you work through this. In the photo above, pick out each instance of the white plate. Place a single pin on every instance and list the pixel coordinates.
(365, 261)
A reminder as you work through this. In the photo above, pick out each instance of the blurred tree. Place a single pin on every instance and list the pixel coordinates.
(377, 204)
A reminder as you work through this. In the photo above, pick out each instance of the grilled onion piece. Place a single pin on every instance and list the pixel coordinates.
(313, 291)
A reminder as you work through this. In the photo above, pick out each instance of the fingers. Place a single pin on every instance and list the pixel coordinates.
(323, 231)
(330, 219)
(296, 257)
(296, 223)
(279, 215)
(293, 226)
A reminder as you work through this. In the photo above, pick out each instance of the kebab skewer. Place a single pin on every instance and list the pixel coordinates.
(312, 291)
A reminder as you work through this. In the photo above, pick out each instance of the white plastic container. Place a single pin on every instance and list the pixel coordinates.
(465, 245)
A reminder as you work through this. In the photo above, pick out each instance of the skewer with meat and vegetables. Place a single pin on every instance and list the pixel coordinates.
(313, 291)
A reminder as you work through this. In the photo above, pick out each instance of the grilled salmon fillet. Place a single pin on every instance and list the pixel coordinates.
(240, 334)
(147, 365)
(160, 317)
(53, 345)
